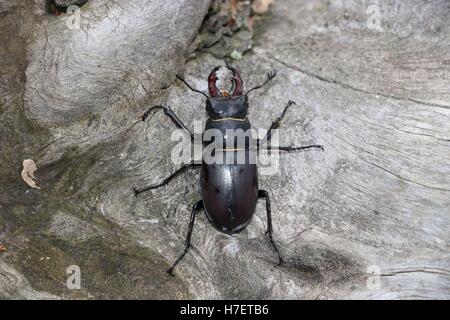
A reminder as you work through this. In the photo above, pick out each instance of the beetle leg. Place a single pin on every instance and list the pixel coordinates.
(289, 149)
(275, 125)
(292, 148)
(195, 209)
(168, 112)
(270, 76)
(265, 194)
(185, 167)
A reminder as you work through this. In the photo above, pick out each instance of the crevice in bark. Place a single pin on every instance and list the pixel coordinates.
(55, 7)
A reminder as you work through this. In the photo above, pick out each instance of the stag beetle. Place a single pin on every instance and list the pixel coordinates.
(229, 191)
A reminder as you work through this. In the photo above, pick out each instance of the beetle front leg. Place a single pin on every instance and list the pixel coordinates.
(138, 191)
(195, 209)
(168, 112)
(265, 194)
(275, 125)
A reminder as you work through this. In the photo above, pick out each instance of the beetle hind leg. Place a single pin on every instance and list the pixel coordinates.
(195, 209)
(265, 194)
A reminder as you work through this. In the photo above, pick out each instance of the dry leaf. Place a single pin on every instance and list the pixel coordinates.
(261, 6)
(2, 248)
(29, 167)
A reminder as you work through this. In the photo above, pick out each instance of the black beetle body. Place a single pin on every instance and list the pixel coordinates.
(229, 190)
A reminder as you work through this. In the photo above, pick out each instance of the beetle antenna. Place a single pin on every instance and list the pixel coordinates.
(180, 77)
(270, 76)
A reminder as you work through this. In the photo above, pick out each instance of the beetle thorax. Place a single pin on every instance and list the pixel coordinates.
(223, 108)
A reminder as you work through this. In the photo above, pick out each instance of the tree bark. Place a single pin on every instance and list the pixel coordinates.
(368, 218)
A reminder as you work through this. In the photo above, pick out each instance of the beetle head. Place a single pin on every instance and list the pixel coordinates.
(226, 98)
(224, 82)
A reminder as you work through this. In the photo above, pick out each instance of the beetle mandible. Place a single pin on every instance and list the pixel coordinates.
(229, 191)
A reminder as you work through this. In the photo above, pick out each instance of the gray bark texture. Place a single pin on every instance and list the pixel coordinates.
(368, 218)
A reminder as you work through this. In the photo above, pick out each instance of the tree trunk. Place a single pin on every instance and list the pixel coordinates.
(367, 218)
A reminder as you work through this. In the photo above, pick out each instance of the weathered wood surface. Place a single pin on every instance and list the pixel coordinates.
(377, 198)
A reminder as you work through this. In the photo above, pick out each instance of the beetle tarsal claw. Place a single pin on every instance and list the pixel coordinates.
(145, 116)
(271, 75)
(170, 271)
